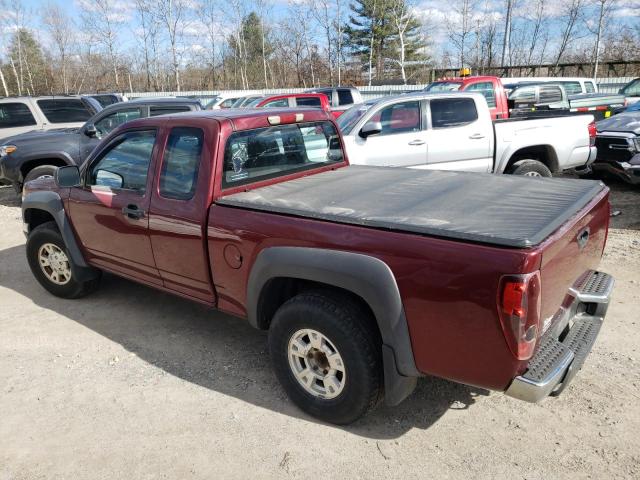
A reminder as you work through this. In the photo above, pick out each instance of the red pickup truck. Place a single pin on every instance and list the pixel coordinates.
(366, 278)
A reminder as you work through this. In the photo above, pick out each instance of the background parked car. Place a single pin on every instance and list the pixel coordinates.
(495, 91)
(244, 102)
(631, 91)
(454, 131)
(23, 114)
(340, 98)
(37, 154)
(297, 100)
(573, 85)
(225, 101)
(106, 99)
(549, 97)
(618, 142)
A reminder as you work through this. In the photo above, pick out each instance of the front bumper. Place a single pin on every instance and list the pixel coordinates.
(563, 350)
(627, 171)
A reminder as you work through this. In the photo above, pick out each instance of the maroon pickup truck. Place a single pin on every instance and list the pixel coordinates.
(366, 278)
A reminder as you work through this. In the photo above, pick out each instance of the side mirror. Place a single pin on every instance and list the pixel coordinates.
(67, 176)
(370, 128)
(90, 130)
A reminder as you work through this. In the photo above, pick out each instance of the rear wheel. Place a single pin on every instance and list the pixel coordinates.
(326, 356)
(52, 265)
(530, 168)
(42, 171)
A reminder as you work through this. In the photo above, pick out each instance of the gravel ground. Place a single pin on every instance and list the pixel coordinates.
(133, 383)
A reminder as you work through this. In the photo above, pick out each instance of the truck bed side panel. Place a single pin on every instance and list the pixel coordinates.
(448, 287)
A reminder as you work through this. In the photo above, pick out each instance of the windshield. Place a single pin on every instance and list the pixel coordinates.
(254, 155)
(348, 119)
(443, 87)
(254, 103)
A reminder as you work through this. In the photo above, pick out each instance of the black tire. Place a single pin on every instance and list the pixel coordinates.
(533, 168)
(41, 171)
(74, 288)
(344, 323)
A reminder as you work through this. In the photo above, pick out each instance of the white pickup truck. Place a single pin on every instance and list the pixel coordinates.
(454, 131)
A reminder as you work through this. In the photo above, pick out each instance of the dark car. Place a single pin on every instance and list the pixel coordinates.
(631, 90)
(37, 154)
(106, 99)
(618, 142)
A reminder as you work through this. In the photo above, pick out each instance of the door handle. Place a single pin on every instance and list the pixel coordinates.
(132, 211)
(476, 136)
(417, 142)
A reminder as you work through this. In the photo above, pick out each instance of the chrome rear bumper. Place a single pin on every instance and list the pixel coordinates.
(562, 353)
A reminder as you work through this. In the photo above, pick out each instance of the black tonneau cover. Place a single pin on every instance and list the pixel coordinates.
(503, 210)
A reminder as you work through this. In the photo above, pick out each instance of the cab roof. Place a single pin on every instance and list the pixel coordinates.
(240, 118)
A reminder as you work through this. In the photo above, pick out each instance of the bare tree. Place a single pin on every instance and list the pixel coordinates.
(3, 6)
(402, 18)
(487, 33)
(209, 13)
(539, 22)
(173, 15)
(147, 30)
(572, 13)
(460, 27)
(321, 10)
(61, 29)
(263, 10)
(103, 24)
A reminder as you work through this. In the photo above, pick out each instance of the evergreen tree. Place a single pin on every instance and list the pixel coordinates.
(29, 74)
(378, 32)
(247, 48)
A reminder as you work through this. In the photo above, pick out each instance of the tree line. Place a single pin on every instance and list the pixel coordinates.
(179, 45)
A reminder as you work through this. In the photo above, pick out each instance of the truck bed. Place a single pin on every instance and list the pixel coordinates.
(508, 211)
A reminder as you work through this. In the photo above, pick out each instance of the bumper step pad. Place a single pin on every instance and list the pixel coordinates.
(557, 361)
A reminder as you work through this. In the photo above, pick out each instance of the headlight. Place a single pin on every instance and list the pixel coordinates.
(637, 142)
(7, 149)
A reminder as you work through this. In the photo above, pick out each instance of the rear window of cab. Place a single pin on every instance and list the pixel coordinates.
(264, 153)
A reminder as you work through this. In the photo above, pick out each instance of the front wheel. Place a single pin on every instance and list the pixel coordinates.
(326, 356)
(530, 168)
(52, 265)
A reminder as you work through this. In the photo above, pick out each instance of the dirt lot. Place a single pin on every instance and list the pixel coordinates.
(132, 383)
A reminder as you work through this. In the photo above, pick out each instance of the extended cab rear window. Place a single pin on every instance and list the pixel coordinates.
(452, 112)
(260, 154)
(15, 115)
(64, 110)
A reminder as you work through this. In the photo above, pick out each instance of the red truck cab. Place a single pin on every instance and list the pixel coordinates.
(491, 87)
(299, 100)
(365, 278)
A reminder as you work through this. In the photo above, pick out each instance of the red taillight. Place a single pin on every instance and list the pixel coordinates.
(519, 311)
(592, 133)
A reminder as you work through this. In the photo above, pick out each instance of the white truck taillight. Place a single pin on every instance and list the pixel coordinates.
(519, 305)
(592, 133)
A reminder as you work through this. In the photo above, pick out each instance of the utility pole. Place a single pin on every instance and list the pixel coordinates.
(507, 35)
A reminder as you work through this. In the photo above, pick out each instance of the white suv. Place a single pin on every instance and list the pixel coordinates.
(24, 114)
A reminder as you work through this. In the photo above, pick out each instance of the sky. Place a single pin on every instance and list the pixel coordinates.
(435, 13)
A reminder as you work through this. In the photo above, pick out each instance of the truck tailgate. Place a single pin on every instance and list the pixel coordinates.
(570, 251)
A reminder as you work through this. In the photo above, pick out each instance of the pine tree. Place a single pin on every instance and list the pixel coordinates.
(377, 34)
(29, 72)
